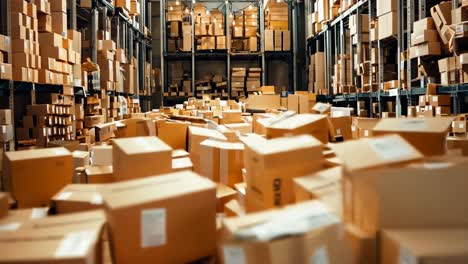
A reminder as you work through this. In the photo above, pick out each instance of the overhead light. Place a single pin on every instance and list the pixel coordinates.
(230, 15)
(214, 20)
(187, 10)
(233, 23)
(193, 1)
(171, 8)
(268, 10)
(177, 2)
(278, 1)
(207, 12)
(250, 7)
(254, 23)
(254, 16)
(220, 26)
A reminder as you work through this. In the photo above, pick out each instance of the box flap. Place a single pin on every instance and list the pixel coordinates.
(284, 144)
(296, 121)
(141, 145)
(416, 125)
(374, 152)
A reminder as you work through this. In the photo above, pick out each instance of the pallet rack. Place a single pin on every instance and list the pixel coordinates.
(261, 58)
(16, 95)
(332, 40)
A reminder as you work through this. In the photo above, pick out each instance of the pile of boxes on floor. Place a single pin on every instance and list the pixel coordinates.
(277, 34)
(287, 192)
(244, 30)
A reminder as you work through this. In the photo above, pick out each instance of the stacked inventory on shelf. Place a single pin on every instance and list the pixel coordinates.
(388, 53)
(244, 30)
(209, 28)
(253, 80)
(203, 34)
(5, 53)
(277, 35)
(238, 76)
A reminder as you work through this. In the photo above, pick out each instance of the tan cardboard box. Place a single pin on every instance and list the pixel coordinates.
(447, 245)
(99, 174)
(224, 194)
(33, 176)
(101, 155)
(148, 221)
(77, 198)
(426, 49)
(317, 243)
(196, 136)
(418, 132)
(269, 40)
(4, 204)
(340, 126)
(312, 124)
(182, 164)
(363, 245)
(272, 164)
(173, 133)
(384, 7)
(140, 157)
(59, 23)
(423, 25)
(388, 25)
(424, 36)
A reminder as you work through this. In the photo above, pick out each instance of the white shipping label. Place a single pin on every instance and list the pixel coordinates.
(366, 133)
(234, 255)
(461, 125)
(153, 227)
(390, 149)
(10, 227)
(406, 257)
(320, 256)
(75, 244)
(64, 195)
(435, 99)
(39, 212)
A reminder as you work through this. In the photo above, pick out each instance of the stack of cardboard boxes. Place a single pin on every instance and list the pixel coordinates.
(7, 131)
(433, 105)
(25, 41)
(245, 30)
(209, 28)
(317, 73)
(424, 40)
(253, 79)
(129, 7)
(341, 83)
(5, 64)
(48, 122)
(277, 35)
(180, 33)
(388, 20)
(238, 76)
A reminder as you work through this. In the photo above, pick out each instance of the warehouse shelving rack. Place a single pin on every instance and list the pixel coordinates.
(16, 95)
(332, 38)
(193, 57)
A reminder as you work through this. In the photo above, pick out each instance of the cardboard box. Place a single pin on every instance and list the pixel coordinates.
(418, 132)
(99, 174)
(459, 126)
(340, 127)
(423, 24)
(446, 245)
(182, 164)
(173, 133)
(426, 49)
(147, 220)
(33, 176)
(388, 25)
(269, 40)
(424, 36)
(362, 244)
(324, 186)
(441, 14)
(140, 157)
(312, 124)
(271, 166)
(101, 155)
(59, 23)
(322, 242)
(440, 100)
(196, 136)
(75, 198)
(384, 7)
(4, 204)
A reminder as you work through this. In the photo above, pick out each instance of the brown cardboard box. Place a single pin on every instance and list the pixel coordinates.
(80, 158)
(180, 153)
(446, 245)
(182, 164)
(340, 126)
(269, 40)
(459, 15)
(263, 102)
(441, 14)
(424, 36)
(272, 164)
(224, 194)
(418, 132)
(4, 204)
(440, 100)
(426, 49)
(5, 117)
(59, 23)
(33, 176)
(363, 245)
(286, 40)
(77, 198)
(317, 243)
(312, 124)
(423, 25)
(324, 186)
(6, 71)
(293, 102)
(459, 126)
(196, 136)
(58, 6)
(99, 174)
(48, 239)
(140, 157)
(148, 221)
(321, 108)
(173, 133)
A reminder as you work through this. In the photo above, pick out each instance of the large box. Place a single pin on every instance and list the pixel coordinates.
(75, 198)
(312, 124)
(384, 7)
(286, 43)
(447, 245)
(59, 23)
(271, 166)
(263, 101)
(140, 157)
(426, 49)
(424, 36)
(418, 132)
(149, 221)
(388, 25)
(34, 176)
(269, 40)
(173, 133)
(196, 136)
